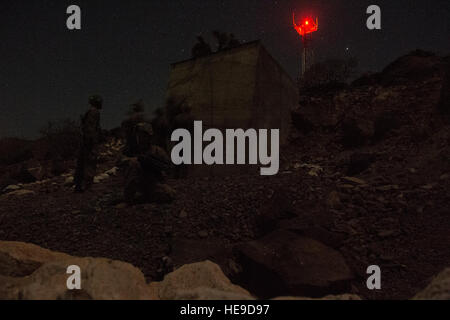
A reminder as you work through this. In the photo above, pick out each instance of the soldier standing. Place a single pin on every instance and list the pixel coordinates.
(222, 40)
(145, 173)
(135, 116)
(90, 137)
(201, 48)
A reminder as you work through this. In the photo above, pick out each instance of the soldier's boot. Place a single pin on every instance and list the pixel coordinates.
(90, 167)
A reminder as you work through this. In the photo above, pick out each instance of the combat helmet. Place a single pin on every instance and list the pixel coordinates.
(96, 101)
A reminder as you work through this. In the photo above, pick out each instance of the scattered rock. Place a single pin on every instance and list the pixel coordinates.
(313, 170)
(386, 233)
(333, 200)
(346, 186)
(203, 234)
(121, 205)
(19, 193)
(438, 289)
(112, 172)
(183, 214)
(11, 188)
(388, 188)
(100, 178)
(69, 181)
(354, 180)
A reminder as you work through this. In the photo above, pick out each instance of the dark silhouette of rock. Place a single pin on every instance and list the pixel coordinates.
(356, 132)
(284, 263)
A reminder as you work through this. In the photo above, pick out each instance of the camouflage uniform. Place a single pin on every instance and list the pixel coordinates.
(145, 173)
(222, 40)
(129, 126)
(87, 159)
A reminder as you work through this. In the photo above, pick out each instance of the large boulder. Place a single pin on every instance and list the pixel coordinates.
(32, 273)
(29, 272)
(438, 289)
(284, 263)
(314, 229)
(203, 280)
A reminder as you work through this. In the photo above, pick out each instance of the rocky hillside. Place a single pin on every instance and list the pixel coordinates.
(364, 182)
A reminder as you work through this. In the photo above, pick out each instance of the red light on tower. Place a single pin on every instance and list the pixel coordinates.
(307, 26)
(305, 30)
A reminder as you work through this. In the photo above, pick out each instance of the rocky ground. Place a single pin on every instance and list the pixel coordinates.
(29, 272)
(363, 182)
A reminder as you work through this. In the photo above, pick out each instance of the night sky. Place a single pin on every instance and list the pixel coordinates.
(125, 48)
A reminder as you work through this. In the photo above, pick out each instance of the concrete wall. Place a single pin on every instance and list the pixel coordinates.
(242, 87)
(275, 96)
(219, 88)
